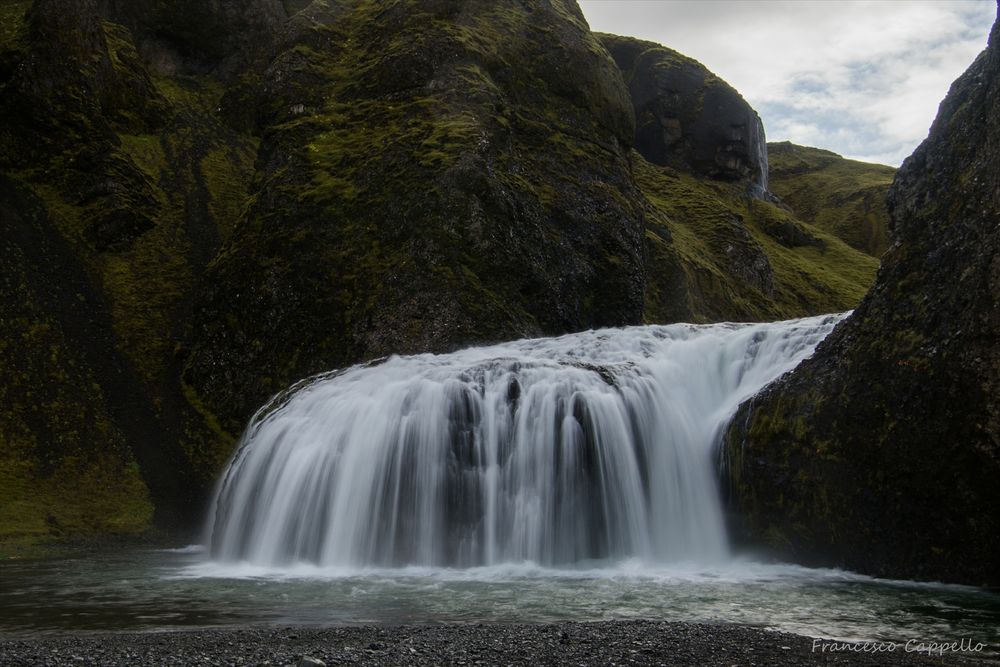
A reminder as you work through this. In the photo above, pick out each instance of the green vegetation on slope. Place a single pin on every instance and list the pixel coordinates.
(66, 469)
(12, 22)
(844, 197)
(715, 254)
(78, 500)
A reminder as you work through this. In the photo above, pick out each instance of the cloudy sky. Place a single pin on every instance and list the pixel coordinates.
(861, 78)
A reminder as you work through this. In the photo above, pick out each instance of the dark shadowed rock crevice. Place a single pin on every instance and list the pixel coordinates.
(882, 452)
(184, 37)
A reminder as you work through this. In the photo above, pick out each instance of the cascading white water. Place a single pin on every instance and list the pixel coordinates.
(596, 445)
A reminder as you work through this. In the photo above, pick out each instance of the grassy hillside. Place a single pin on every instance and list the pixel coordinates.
(715, 254)
(843, 197)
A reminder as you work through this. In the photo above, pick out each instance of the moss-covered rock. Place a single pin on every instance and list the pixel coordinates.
(431, 175)
(717, 246)
(71, 430)
(881, 453)
(844, 197)
(115, 199)
(66, 63)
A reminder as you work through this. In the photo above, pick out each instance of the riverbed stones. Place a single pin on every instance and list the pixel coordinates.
(599, 643)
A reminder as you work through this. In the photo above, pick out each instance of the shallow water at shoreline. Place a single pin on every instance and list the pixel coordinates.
(143, 589)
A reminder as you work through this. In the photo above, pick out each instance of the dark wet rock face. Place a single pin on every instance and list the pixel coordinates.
(882, 452)
(688, 118)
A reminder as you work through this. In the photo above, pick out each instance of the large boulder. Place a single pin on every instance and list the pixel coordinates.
(881, 453)
(688, 118)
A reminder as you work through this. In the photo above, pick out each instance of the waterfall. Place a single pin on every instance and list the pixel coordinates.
(591, 446)
(757, 143)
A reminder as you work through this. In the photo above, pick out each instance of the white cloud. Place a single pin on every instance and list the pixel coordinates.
(862, 78)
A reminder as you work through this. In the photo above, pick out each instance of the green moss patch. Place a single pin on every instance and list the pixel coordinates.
(79, 499)
(12, 23)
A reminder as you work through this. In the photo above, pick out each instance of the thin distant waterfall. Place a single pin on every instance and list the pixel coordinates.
(591, 446)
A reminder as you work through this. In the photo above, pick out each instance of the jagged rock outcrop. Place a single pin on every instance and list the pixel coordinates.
(844, 197)
(93, 85)
(68, 64)
(882, 452)
(688, 118)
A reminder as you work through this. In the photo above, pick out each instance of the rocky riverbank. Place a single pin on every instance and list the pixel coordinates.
(596, 643)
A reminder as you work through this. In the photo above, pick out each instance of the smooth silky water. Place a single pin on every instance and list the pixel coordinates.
(571, 478)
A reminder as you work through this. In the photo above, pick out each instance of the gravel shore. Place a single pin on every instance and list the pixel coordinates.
(595, 643)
